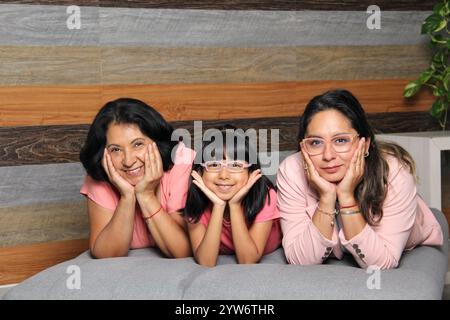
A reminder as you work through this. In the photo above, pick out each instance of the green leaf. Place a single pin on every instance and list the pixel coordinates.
(439, 9)
(433, 23)
(437, 109)
(438, 39)
(446, 79)
(412, 88)
(439, 92)
(425, 76)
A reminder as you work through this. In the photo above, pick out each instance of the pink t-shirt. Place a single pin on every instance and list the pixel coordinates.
(269, 212)
(173, 192)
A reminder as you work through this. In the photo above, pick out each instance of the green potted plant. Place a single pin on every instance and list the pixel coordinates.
(437, 76)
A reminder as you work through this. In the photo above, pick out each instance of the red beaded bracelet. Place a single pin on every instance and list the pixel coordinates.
(346, 207)
(149, 217)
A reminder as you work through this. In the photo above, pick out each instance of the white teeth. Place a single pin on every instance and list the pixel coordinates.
(133, 172)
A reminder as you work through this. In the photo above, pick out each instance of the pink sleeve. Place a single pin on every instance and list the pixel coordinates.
(270, 210)
(179, 178)
(302, 241)
(382, 245)
(100, 192)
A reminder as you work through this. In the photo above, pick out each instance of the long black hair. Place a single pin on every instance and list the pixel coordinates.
(242, 149)
(125, 111)
(371, 191)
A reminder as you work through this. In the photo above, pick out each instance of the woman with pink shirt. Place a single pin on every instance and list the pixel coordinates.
(231, 206)
(346, 192)
(135, 190)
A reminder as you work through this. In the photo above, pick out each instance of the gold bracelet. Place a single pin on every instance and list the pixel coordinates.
(349, 212)
(330, 214)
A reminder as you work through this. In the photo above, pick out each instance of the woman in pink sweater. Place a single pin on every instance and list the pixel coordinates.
(346, 192)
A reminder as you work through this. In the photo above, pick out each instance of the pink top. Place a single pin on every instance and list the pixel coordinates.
(268, 212)
(173, 193)
(407, 221)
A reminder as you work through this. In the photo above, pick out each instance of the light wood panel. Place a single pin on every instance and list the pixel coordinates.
(46, 25)
(244, 4)
(21, 185)
(49, 65)
(52, 105)
(21, 262)
(57, 65)
(43, 222)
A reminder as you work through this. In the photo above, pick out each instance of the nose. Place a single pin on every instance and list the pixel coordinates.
(328, 152)
(223, 173)
(129, 159)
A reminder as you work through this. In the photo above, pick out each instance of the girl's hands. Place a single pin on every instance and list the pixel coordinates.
(254, 176)
(326, 190)
(198, 181)
(346, 188)
(153, 171)
(122, 185)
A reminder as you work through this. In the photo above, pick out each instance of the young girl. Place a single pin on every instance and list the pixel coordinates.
(346, 192)
(134, 189)
(231, 207)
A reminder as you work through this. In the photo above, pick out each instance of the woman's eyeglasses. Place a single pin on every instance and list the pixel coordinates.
(232, 166)
(340, 144)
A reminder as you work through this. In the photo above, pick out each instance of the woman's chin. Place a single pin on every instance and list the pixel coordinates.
(332, 177)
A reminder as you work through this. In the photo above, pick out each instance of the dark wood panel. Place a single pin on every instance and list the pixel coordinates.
(61, 144)
(20, 263)
(245, 4)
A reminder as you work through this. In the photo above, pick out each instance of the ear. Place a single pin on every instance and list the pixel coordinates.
(367, 144)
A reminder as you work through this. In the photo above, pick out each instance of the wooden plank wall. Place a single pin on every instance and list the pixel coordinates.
(254, 63)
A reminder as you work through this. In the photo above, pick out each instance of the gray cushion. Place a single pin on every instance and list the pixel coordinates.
(145, 274)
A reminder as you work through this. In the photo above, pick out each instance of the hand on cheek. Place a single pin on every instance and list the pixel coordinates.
(353, 176)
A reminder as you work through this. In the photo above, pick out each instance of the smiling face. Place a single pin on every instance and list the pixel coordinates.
(225, 184)
(127, 146)
(328, 125)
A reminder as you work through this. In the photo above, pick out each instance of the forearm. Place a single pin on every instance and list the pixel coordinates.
(208, 250)
(115, 239)
(353, 221)
(325, 222)
(244, 245)
(170, 237)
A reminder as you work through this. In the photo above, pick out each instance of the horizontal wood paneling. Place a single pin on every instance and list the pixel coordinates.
(49, 65)
(245, 4)
(19, 152)
(21, 262)
(30, 65)
(52, 105)
(22, 185)
(43, 222)
(46, 25)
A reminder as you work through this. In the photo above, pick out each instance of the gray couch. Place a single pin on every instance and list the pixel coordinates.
(145, 274)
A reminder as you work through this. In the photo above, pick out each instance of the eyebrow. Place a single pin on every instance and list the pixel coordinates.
(116, 145)
(334, 135)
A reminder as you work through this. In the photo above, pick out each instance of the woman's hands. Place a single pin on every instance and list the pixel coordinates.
(346, 188)
(123, 186)
(153, 171)
(326, 190)
(198, 181)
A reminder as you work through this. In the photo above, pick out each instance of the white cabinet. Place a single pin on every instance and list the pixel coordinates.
(425, 148)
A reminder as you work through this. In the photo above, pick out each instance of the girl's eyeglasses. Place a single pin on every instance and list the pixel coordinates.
(340, 144)
(232, 166)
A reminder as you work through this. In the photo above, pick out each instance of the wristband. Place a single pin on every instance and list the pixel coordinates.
(330, 214)
(151, 216)
(349, 212)
(347, 207)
